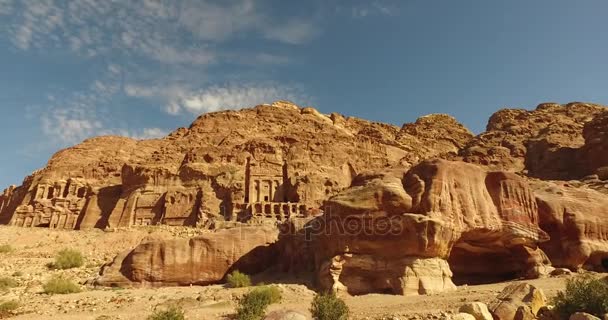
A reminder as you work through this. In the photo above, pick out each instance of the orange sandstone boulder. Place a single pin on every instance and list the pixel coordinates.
(407, 234)
(204, 259)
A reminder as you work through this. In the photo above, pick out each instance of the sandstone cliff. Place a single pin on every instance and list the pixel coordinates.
(543, 142)
(369, 207)
(276, 160)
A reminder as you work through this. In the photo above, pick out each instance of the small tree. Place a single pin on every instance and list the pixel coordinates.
(583, 294)
(60, 285)
(67, 259)
(237, 279)
(253, 305)
(171, 313)
(327, 306)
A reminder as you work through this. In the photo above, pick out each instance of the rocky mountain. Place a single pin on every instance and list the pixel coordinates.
(226, 166)
(364, 207)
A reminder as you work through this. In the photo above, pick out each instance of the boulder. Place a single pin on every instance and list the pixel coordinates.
(524, 313)
(477, 309)
(205, 259)
(561, 272)
(407, 233)
(583, 316)
(286, 315)
(462, 316)
(547, 313)
(514, 296)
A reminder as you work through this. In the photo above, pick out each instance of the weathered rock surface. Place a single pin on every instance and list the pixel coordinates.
(462, 316)
(386, 210)
(272, 160)
(583, 316)
(286, 315)
(391, 234)
(594, 154)
(477, 309)
(201, 260)
(544, 141)
(516, 296)
(576, 219)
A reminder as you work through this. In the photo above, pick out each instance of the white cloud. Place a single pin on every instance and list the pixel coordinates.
(143, 134)
(151, 133)
(6, 6)
(209, 21)
(69, 125)
(38, 18)
(70, 118)
(73, 124)
(170, 32)
(292, 32)
(234, 96)
(170, 41)
(376, 8)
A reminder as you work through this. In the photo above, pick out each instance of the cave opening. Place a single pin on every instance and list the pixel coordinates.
(605, 264)
(481, 262)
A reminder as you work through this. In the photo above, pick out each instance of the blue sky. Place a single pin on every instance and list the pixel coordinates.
(71, 69)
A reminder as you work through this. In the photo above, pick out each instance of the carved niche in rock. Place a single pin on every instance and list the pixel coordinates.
(181, 207)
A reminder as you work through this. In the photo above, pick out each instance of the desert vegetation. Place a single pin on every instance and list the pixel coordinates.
(60, 285)
(253, 305)
(237, 279)
(67, 259)
(583, 294)
(7, 283)
(6, 248)
(6, 307)
(171, 313)
(327, 306)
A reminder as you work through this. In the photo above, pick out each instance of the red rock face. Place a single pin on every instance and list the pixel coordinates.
(205, 259)
(543, 142)
(594, 154)
(277, 160)
(444, 217)
(576, 221)
(370, 207)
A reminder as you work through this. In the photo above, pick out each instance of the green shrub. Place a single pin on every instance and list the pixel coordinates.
(253, 305)
(60, 285)
(583, 294)
(327, 306)
(237, 279)
(7, 307)
(67, 259)
(271, 292)
(6, 248)
(7, 283)
(171, 313)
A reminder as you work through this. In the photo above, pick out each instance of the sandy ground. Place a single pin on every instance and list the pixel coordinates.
(35, 248)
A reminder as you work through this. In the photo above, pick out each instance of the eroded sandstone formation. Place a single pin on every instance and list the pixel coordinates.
(368, 207)
(202, 260)
(272, 161)
(410, 234)
(575, 219)
(542, 142)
